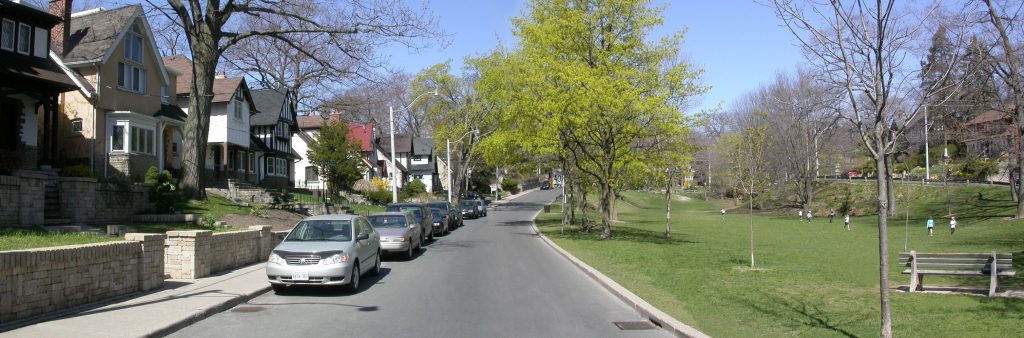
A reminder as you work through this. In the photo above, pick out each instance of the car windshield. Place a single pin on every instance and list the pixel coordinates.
(442, 206)
(466, 204)
(436, 213)
(388, 221)
(321, 230)
(416, 211)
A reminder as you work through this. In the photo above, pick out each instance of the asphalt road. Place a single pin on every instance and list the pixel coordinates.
(491, 278)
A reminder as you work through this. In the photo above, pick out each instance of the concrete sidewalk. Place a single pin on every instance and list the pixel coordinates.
(155, 314)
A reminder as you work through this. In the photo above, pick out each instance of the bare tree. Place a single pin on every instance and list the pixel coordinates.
(212, 27)
(862, 46)
(1005, 19)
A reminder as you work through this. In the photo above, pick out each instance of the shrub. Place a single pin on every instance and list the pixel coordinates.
(117, 179)
(381, 183)
(78, 170)
(414, 187)
(379, 197)
(161, 191)
(510, 185)
(364, 186)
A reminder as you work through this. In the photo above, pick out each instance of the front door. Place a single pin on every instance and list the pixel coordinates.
(10, 123)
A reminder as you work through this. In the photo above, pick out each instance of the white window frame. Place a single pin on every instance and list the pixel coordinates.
(142, 140)
(238, 107)
(133, 44)
(41, 47)
(9, 29)
(124, 137)
(28, 40)
(76, 125)
(252, 162)
(131, 78)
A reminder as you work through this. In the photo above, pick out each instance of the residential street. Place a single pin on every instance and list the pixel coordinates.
(491, 278)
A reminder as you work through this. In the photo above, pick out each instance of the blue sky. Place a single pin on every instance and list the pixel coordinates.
(739, 44)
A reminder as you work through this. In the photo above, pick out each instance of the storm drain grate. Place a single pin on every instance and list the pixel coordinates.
(247, 309)
(635, 325)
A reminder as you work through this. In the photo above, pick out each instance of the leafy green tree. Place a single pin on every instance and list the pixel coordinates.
(336, 156)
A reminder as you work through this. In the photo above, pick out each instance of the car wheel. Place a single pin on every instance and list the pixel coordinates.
(376, 266)
(431, 235)
(409, 253)
(423, 239)
(278, 288)
(353, 284)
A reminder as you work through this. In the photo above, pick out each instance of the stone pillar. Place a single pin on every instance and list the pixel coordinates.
(266, 241)
(188, 254)
(32, 201)
(151, 264)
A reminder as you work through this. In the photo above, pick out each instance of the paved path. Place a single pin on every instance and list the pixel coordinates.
(491, 278)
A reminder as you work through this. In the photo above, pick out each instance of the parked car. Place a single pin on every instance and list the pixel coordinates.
(470, 209)
(420, 211)
(472, 195)
(545, 185)
(328, 250)
(455, 214)
(399, 232)
(440, 225)
(481, 207)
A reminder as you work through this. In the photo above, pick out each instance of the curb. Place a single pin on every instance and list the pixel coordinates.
(659, 318)
(206, 313)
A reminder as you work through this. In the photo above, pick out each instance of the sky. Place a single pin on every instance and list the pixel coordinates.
(739, 44)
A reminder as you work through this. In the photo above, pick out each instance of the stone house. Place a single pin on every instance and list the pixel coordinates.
(273, 126)
(229, 150)
(31, 81)
(121, 119)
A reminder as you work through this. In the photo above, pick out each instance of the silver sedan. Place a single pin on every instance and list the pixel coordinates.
(399, 232)
(325, 250)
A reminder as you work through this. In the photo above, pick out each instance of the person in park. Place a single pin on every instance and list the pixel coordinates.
(831, 214)
(809, 216)
(723, 212)
(952, 225)
(931, 226)
(800, 215)
(846, 222)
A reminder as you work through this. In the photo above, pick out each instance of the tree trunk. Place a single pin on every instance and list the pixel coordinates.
(606, 209)
(583, 209)
(565, 190)
(1014, 184)
(883, 243)
(890, 189)
(668, 208)
(197, 124)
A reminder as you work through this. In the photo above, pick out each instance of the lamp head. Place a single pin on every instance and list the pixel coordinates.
(435, 92)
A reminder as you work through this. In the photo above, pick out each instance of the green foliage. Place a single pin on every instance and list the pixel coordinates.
(379, 197)
(510, 185)
(209, 222)
(258, 210)
(977, 169)
(117, 179)
(336, 156)
(414, 187)
(78, 170)
(162, 190)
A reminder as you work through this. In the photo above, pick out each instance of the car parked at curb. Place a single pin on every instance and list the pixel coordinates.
(440, 226)
(469, 209)
(420, 211)
(453, 211)
(327, 250)
(399, 232)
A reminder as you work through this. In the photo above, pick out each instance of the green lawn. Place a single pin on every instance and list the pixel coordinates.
(214, 207)
(151, 228)
(29, 238)
(817, 279)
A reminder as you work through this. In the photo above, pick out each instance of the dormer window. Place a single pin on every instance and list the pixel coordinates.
(7, 35)
(238, 105)
(24, 38)
(133, 45)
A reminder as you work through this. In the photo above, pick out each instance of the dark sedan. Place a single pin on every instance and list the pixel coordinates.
(470, 209)
(454, 213)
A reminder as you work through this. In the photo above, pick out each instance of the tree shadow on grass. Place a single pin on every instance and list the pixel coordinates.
(625, 234)
(802, 312)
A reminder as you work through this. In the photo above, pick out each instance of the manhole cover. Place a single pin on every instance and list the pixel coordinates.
(248, 309)
(637, 325)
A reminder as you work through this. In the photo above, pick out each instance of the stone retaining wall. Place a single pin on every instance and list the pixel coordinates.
(22, 200)
(84, 200)
(38, 281)
(199, 253)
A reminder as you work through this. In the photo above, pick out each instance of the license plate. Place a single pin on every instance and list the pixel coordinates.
(300, 276)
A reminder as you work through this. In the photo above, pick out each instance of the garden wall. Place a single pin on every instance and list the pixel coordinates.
(84, 200)
(199, 253)
(38, 281)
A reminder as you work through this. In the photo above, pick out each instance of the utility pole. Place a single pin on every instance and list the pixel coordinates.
(927, 162)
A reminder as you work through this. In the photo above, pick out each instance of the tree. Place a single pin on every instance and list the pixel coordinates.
(1008, 68)
(592, 81)
(210, 31)
(336, 156)
(862, 46)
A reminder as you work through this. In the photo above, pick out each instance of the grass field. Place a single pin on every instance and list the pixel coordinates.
(28, 238)
(814, 279)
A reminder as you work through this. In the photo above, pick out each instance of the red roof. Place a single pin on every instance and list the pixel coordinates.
(362, 133)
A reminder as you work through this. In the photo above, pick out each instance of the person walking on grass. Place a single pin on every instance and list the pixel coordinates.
(809, 216)
(723, 212)
(800, 215)
(846, 222)
(931, 226)
(831, 214)
(952, 225)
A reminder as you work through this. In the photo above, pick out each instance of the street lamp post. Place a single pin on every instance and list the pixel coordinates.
(394, 167)
(448, 155)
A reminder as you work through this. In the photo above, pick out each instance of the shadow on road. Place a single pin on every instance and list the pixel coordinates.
(366, 282)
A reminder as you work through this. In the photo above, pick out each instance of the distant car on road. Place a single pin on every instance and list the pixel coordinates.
(325, 250)
(399, 232)
(420, 211)
(455, 214)
(440, 224)
(469, 209)
(545, 185)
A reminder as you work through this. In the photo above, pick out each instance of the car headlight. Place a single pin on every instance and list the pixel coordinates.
(335, 259)
(274, 258)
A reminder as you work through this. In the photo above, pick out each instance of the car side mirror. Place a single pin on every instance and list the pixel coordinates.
(413, 225)
(363, 236)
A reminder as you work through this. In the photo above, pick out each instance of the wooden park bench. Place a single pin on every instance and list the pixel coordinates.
(919, 264)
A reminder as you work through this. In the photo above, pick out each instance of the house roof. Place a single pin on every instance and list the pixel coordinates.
(423, 169)
(95, 32)
(223, 88)
(172, 111)
(314, 121)
(422, 146)
(269, 103)
(22, 72)
(990, 116)
(403, 143)
(362, 133)
(255, 142)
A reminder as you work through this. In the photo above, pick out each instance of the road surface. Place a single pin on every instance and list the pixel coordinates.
(491, 278)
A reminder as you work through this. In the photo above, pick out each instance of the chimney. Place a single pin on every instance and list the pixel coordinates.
(60, 33)
(222, 75)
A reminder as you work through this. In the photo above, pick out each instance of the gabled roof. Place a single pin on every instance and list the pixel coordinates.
(362, 133)
(422, 146)
(94, 34)
(255, 142)
(223, 88)
(403, 143)
(314, 121)
(990, 116)
(269, 104)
